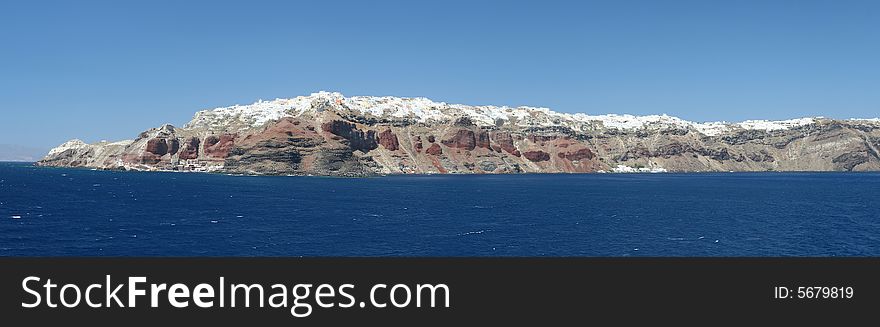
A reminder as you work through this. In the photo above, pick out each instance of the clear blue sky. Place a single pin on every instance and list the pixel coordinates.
(111, 69)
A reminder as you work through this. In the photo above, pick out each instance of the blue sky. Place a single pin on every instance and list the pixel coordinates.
(111, 69)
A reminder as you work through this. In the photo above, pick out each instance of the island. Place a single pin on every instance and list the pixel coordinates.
(328, 134)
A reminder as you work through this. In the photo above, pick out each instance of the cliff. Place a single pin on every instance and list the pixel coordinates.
(329, 134)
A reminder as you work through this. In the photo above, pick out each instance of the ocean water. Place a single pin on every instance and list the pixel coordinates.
(76, 212)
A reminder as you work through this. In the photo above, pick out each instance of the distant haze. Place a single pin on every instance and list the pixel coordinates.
(10, 152)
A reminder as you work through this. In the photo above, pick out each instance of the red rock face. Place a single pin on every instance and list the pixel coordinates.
(536, 156)
(434, 149)
(211, 140)
(482, 139)
(505, 141)
(358, 140)
(577, 155)
(219, 147)
(338, 127)
(157, 146)
(190, 148)
(388, 140)
(463, 139)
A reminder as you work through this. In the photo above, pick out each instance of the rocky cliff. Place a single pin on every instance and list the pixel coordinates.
(328, 134)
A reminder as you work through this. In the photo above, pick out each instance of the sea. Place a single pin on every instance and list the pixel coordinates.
(80, 212)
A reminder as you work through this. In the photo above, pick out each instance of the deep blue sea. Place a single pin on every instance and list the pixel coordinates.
(76, 212)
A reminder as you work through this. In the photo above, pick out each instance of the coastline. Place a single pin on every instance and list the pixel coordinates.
(599, 173)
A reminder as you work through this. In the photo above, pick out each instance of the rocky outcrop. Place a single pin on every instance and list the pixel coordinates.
(504, 141)
(577, 155)
(541, 138)
(290, 146)
(848, 161)
(536, 156)
(157, 146)
(417, 144)
(173, 146)
(327, 134)
(482, 139)
(434, 150)
(388, 140)
(190, 149)
(219, 146)
(461, 139)
(357, 139)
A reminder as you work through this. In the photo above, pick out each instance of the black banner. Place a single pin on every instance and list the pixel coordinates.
(463, 290)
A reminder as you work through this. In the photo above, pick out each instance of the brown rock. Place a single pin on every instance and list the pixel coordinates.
(505, 141)
(577, 155)
(463, 139)
(211, 140)
(388, 140)
(357, 139)
(219, 147)
(338, 127)
(434, 149)
(157, 146)
(536, 156)
(190, 148)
